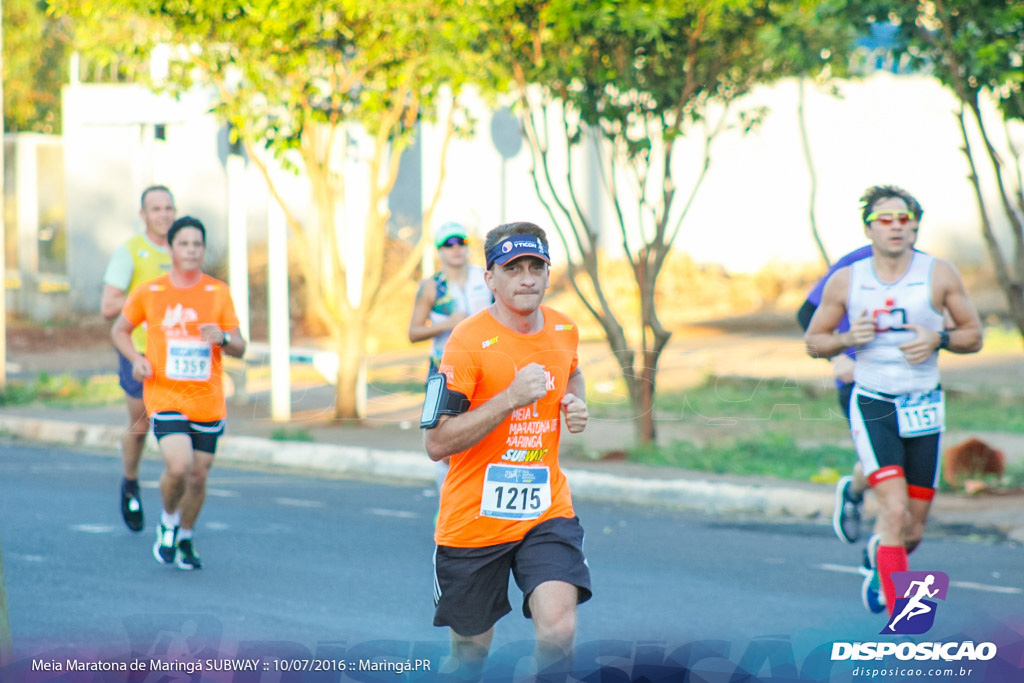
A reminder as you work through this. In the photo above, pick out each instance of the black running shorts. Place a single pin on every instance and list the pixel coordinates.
(471, 584)
(204, 434)
(884, 453)
(843, 393)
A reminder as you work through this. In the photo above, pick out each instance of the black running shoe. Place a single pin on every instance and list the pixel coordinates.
(131, 505)
(166, 543)
(186, 558)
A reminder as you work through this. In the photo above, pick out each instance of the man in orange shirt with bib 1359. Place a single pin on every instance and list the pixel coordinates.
(190, 321)
(507, 377)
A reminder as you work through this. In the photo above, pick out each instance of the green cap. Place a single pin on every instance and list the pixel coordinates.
(447, 231)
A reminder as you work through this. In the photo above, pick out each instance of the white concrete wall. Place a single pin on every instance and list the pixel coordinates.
(111, 156)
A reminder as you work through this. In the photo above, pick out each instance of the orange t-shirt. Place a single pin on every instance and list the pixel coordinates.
(186, 370)
(510, 481)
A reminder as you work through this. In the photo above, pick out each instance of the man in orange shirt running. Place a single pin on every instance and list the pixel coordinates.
(511, 373)
(190, 321)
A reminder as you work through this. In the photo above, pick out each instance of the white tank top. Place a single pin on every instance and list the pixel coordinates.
(470, 297)
(908, 301)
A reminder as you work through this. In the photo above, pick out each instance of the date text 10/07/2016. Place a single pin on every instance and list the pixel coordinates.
(388, 665)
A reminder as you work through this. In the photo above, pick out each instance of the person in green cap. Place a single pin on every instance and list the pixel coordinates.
(446, 298)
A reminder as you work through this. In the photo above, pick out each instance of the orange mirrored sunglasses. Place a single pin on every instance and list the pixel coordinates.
(887, 218)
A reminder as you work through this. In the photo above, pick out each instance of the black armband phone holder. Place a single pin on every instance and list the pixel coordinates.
(440, 401)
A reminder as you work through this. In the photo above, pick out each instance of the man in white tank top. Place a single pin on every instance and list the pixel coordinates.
(895, 301)
(846, 516)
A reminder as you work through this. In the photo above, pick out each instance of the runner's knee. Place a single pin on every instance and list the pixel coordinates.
(176, 469)
(138, 429)
(557, 628)
(893, 516)
(913, 534)
(553, 609)
(197, 476)
(469, 653)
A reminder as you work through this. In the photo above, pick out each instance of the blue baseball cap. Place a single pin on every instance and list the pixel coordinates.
(515, 246)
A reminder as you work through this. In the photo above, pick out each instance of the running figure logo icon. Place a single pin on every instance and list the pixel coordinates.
(914, 613)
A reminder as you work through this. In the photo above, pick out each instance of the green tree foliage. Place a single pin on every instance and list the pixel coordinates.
(34, 67)
(614, 87)
(324, 87)
(976, 49)
(811, 42)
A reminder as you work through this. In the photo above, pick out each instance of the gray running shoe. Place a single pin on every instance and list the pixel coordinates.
(846, 516)
(870, 560)
(166, 543)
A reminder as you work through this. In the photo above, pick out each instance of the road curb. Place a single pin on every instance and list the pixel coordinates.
(337, 459)
(62, 432)
(413, 466)
(698, 494)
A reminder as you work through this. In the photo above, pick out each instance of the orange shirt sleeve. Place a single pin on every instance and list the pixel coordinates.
(134, 309)
(228, 319)
(460, 366)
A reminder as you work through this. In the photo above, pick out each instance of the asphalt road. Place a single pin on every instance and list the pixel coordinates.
(307, 567)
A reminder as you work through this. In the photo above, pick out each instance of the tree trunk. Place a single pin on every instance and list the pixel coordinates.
(805, 144)
(1015, 303)
(1009, 279)
(645, 432)
(349, 399)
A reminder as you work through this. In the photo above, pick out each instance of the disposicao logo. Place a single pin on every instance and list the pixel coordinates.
(914, 614)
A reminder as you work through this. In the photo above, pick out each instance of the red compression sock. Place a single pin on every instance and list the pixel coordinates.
(890, 558)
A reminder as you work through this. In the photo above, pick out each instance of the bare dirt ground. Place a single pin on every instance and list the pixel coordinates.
(765, 344)
(82, 345)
